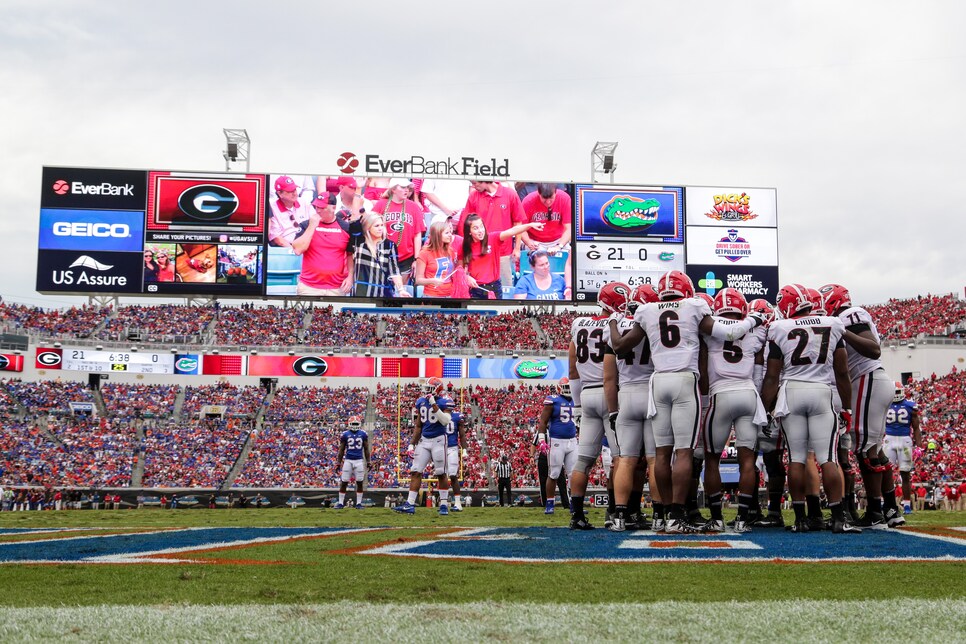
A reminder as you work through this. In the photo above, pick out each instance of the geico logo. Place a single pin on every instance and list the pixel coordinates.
(67, 278)
(78, 188)
(48, 358)
(208, 202)
(86, 229)
(310, 366)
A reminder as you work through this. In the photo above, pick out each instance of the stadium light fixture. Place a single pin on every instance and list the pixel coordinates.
(134, 349)
(515, 356)
(442, 354)
(254, 352)
(602, 160)
(553, 356)
(291, 352)
(330, 354)
(237, 147)
(214, 351)
(57, 345)
(368, 353)
(405, 354)
(174, 349)
(479, 355)
(99, 348)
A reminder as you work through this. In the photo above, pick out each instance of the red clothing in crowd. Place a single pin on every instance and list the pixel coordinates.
(554, 216)
(404, 222)
(500, 211)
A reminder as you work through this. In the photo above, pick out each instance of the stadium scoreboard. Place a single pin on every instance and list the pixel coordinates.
(114, 361)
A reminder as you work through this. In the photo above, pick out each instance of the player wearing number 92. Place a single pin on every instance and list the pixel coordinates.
(428, 444)
(354, 448)
(673, 327)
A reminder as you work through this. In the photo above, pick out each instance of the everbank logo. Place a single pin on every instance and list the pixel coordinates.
(61, 187)
(348, 163)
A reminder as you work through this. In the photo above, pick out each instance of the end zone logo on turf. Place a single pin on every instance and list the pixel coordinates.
(463, 166)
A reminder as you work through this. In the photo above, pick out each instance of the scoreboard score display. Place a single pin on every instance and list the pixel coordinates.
(113, 361)
(633, 263)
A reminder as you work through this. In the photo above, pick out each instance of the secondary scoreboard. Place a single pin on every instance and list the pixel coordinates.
(114, 361)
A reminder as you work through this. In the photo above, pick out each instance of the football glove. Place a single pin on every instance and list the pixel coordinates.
(845, 421)
(758, 317)
(410, 450)
(612, 420)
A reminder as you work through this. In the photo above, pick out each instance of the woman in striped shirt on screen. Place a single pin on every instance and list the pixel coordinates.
(376, 262)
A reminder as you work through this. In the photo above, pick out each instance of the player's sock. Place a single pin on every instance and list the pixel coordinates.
(889, 499)
(714, 502)
(412, 498)
(620, 510)
(775, 503)
(838, 511)
(577, 506)
(851, 504)
(359, 498)
(611, 505)
(754, 503)
(342, 498)
(799, 507)
(691, 505)
(813, 505)
(678, 512)
(443, 498)
(744, 505)
(658, 510)
(875, 505)
(634, 505)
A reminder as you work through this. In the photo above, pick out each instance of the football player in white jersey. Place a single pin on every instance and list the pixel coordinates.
(632, 426)
(872, 392)
(802, 351)
(587, 351)
(734, 376)
(673, 327)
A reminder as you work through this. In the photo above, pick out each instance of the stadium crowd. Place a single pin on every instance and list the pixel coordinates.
(159, 323)
(429, 330)
(259, 326)
(341, 329)
(197, 453)
(512, 330)
(123, 400)
(925, 314)
(243, 400)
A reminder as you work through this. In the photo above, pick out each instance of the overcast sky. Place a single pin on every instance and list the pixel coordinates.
(854, 111)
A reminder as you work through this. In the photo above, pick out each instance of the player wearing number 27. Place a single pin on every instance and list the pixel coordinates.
(354, 449)
(673, 327)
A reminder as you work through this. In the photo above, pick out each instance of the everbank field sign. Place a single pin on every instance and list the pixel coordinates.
(373, 164)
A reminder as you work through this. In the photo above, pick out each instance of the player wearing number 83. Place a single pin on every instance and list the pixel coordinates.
(673, 327)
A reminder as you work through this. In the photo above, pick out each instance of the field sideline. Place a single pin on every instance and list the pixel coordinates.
(292, 588)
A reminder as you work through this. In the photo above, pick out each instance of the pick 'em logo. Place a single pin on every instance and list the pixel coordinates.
(310, 366)
(61, 187)
(48, 358)
(347, 162)
(208, 202)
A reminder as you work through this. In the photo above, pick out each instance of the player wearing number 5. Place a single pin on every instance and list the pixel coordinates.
(428, 445)
(354, 457)
(673, 327)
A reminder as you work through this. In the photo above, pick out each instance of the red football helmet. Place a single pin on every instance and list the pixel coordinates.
(818, 302)
(675, 285)
(764, 308)
(730, 300)
(836, 298)
(792, 301)
(613, 297)
(355, 422)
(433, 386)
(563, 387)
(644, 294)
(707, 299)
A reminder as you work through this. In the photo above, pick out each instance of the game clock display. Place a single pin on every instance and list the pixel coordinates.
(633, 263)
(114, 361)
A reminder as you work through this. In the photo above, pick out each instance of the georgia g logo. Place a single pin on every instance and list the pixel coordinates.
(310, 366)
(208, 203)
(49, 358)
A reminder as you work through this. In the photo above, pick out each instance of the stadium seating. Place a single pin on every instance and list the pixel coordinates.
(163, 323)
(504, 331)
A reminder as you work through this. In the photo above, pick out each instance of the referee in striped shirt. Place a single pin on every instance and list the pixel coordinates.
(503, 473)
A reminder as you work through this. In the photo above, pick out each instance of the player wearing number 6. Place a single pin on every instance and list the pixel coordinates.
(673, 327)
(354, 456)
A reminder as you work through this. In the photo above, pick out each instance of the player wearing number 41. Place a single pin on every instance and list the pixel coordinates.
(428, 444)
(354, 449)
(872, 392)
(673, 327)
(804, 351)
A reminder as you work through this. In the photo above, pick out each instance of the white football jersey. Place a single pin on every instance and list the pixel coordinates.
(588, 336)
(633, 366)
(672, 330)
(859, 365)
(806, 346)
(731, 363)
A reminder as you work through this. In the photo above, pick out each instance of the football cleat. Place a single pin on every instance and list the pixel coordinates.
(816, 524)
(680, 526)
(444, 510)
(675, 285)
(713, 526)
(339, 506)
(659, 525)
(548, 509)
(358, 506)
(456, 508)
(695, 518)
(580, 523)
(874, 520)
(613, 297)
(845, 527)
(769, 521)
(608, 519)
(617, 523)
(894, 518)
(637, 521)
(907, 508)
(405, 508)
(741, 526)
(800, 525)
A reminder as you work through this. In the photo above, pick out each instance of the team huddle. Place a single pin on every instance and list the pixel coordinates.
(661, 378)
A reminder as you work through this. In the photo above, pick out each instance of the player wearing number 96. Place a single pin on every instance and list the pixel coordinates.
(673, 327)
(804, 352)
(428, 444)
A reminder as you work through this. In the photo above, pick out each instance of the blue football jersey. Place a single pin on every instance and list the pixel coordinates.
(899, 418)
(353, 440)
(562, 417)
(452, 430)
(430, 428)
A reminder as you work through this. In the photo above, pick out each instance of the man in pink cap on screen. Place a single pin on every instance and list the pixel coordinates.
(289, 215)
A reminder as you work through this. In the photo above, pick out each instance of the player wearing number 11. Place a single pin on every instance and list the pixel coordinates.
(673, 327)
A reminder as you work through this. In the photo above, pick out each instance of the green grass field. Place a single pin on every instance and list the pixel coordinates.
(312, 588)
